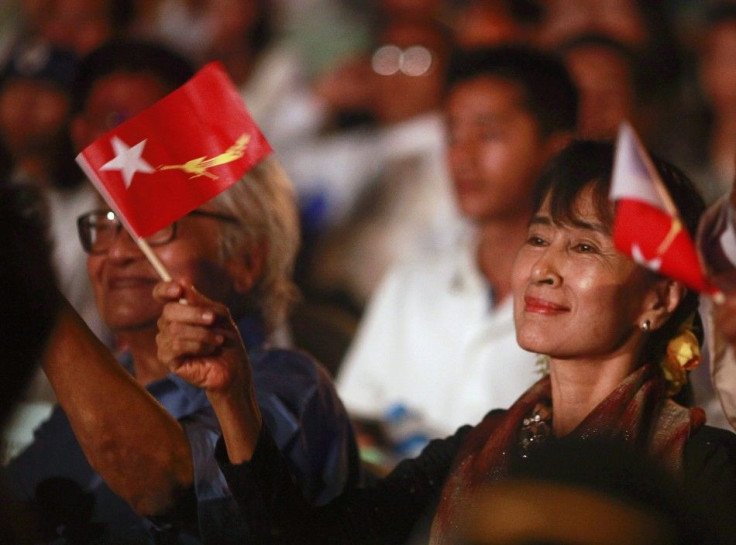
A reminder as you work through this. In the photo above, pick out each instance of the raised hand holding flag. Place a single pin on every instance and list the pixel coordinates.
(176, 155)
(647, 225)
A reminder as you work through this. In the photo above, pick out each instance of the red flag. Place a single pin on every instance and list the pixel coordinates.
(177, 154)
(647, 226)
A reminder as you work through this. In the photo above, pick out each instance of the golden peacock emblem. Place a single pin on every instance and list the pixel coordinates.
(201, 165)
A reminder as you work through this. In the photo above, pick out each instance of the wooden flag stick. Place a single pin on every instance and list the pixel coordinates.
(153, 258)
(155, 261)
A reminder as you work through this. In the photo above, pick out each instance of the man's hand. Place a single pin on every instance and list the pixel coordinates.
(198, 340)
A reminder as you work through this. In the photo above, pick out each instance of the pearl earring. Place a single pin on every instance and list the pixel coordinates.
(645, 325)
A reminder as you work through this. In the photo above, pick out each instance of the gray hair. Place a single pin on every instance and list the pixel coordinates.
(264, 203)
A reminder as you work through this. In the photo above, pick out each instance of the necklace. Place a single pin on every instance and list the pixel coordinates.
(535, 429)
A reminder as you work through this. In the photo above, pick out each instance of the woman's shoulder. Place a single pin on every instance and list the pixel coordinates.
(710, 454)
(710, 479)
(709, 437)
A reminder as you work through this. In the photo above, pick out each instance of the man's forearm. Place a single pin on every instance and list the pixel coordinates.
(128, 437)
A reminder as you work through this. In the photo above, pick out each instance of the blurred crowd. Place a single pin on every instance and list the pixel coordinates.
(349, 93)
(408, 213)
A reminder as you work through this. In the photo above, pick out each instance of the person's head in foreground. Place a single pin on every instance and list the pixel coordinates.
(586, 492)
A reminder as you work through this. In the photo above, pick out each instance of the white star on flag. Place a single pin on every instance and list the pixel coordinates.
(637, 255)
(128, 160)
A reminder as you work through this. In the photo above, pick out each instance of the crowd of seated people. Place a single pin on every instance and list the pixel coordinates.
(379, 283)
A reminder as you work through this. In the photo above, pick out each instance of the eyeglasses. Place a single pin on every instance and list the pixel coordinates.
(387, 60)
(97, 229)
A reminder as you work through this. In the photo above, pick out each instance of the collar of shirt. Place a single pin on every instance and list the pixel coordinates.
(423, 135)
(466, 276)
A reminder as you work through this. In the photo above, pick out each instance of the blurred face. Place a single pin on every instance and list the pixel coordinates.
(494, 149)
(575, 296)
(78, 25)
(113, 100)
(718, 67)
(123, 279)
(32, 116)
(606, 91)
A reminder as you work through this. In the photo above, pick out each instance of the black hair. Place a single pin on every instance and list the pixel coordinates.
(548, 89)
(586, 163)
(134, 56)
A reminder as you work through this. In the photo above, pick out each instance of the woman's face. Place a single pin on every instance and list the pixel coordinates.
(575, 296)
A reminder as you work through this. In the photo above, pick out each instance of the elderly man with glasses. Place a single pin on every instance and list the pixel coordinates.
(164, 486)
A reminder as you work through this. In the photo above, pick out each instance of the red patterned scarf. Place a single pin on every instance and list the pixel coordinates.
(637, 412)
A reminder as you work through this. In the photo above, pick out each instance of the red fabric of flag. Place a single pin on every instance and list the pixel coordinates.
(657, 241)
(647, 226)
(176, 155)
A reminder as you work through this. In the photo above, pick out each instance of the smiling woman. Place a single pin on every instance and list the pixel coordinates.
(577, 297)
(572, 200)
(604, 321)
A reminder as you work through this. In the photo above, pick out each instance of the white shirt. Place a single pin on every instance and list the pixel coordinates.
(431, 340)
(279, 99)
(341, 166)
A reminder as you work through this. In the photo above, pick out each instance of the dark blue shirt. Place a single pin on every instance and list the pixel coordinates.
(299, 404)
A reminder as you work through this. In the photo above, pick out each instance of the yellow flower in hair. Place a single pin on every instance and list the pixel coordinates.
(683, 354)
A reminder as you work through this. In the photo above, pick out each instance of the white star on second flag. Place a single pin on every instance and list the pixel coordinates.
(637, 255)
(128, 160)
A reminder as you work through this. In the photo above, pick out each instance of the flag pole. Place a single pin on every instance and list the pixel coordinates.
(153, 259)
